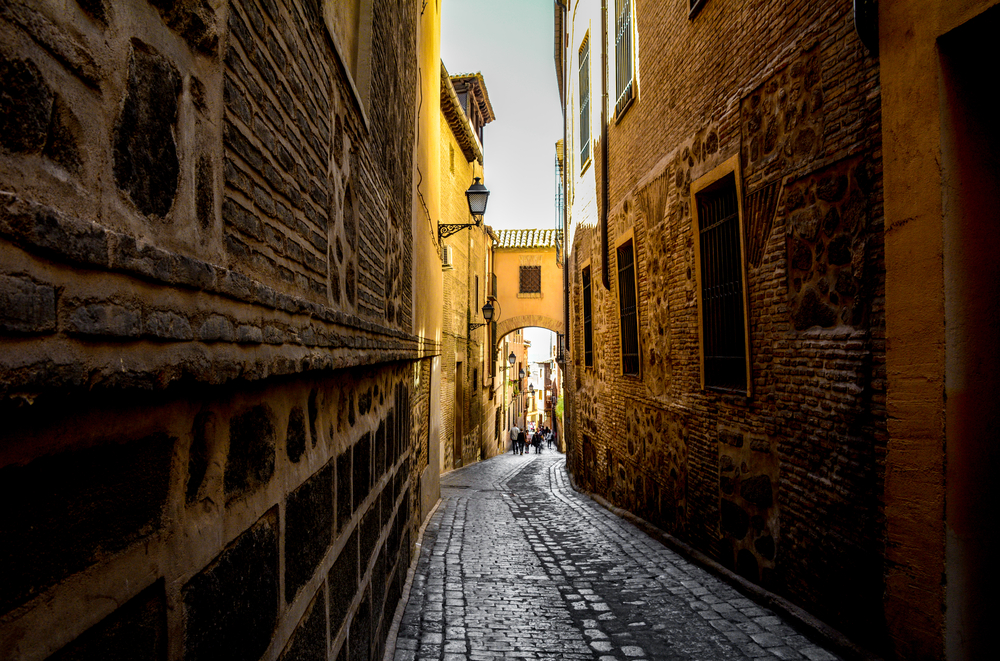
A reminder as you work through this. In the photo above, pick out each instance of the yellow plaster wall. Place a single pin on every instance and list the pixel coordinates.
(917, 571)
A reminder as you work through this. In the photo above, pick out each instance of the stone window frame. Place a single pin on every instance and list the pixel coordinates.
(628, 237)
(530, 261)
(624, 45)
(705, 183)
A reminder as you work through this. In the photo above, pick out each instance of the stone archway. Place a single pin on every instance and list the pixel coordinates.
(505, 326)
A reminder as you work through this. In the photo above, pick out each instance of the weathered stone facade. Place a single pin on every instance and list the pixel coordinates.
(215, 404)
(783, 484)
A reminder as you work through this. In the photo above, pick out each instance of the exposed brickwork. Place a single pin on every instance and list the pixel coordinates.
(206, 314)
(784, 486)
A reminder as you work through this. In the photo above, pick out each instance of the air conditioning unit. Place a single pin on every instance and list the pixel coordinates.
(447, 258)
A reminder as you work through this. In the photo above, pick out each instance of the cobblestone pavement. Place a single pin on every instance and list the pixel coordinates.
(516, 565)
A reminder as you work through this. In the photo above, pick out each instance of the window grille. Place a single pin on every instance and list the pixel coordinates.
(588, 322)
(585, 101)
(723, 320)
(628, 309)
(623, 54)
(531, 280)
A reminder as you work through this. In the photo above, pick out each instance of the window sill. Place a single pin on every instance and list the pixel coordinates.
(586, 165)
(529, 294)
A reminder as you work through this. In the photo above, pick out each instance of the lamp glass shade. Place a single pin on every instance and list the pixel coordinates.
(531, 389)
(477, 196)
(488, 311)
(511, 359)
(521, 373)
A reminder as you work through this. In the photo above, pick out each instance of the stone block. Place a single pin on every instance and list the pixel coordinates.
(343, 581)
(370, 529)
(26, 306)
(758, 490)
(166, 325)
(308, 641)
(74, 506)
(231, 606)
(216, 328)
(250, 461)
(146, 166)
(360, 639)
(136, 631)
(345, 505)
(46, 230)
(380, 451)
(25, 106)
(308, 528)
(246, 334)
(105, 319)
(733, 520)
(362, 469)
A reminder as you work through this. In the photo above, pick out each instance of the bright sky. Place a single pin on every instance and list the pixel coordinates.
(510, 42)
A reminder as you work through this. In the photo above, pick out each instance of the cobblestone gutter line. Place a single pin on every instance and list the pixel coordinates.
(390, 642)
(801, 618)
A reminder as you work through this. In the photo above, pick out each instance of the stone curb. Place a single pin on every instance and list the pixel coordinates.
(390, 639)
(803, 620)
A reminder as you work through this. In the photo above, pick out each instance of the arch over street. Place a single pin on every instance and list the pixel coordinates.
(529, 281)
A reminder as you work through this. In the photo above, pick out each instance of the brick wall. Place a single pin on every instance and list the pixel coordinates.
(785, 486)
(208, 375)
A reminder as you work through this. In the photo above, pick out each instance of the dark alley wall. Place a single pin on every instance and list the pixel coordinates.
(783, 482)
(209, 382)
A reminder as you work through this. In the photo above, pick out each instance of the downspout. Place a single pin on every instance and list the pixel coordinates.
(605, 271)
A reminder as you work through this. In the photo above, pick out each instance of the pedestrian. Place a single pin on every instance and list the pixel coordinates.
(520, 441)
(548, 438)
(536, 440)
(513, 439)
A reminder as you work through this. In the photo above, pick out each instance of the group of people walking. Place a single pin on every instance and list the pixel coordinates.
(520, 439)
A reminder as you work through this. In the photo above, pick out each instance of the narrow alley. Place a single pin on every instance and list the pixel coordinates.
(516, 564)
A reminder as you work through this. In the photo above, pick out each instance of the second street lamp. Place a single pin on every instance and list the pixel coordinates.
(488, 312)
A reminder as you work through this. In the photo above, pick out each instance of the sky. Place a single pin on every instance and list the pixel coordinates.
(510, 43)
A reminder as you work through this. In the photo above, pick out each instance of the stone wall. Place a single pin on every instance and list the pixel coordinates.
(783, 486)
(208, 374)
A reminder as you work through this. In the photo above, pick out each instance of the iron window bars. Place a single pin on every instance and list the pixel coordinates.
(723, 319)
(588, 321)
(628, 309)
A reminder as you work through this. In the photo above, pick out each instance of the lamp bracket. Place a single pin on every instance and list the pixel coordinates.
(473, 327)
(447, 229)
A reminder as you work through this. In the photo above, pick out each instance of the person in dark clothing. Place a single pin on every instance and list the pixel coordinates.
(520, 441)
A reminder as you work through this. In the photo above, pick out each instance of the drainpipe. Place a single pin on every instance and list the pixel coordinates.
(605, 271)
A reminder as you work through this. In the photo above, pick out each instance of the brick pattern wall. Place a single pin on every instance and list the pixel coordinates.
(784, 487)
(207, 360)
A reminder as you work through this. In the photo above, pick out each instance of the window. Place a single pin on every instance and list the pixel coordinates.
(624, 54)
(588, 321)
(531, 280)
(585, 102)
(629, 328)
(722, 292)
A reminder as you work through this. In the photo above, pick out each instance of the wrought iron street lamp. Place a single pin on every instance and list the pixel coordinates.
(477, 196)
(511, 359)
(488, 311)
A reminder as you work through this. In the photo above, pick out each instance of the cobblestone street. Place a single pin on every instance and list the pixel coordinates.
(515, 564)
